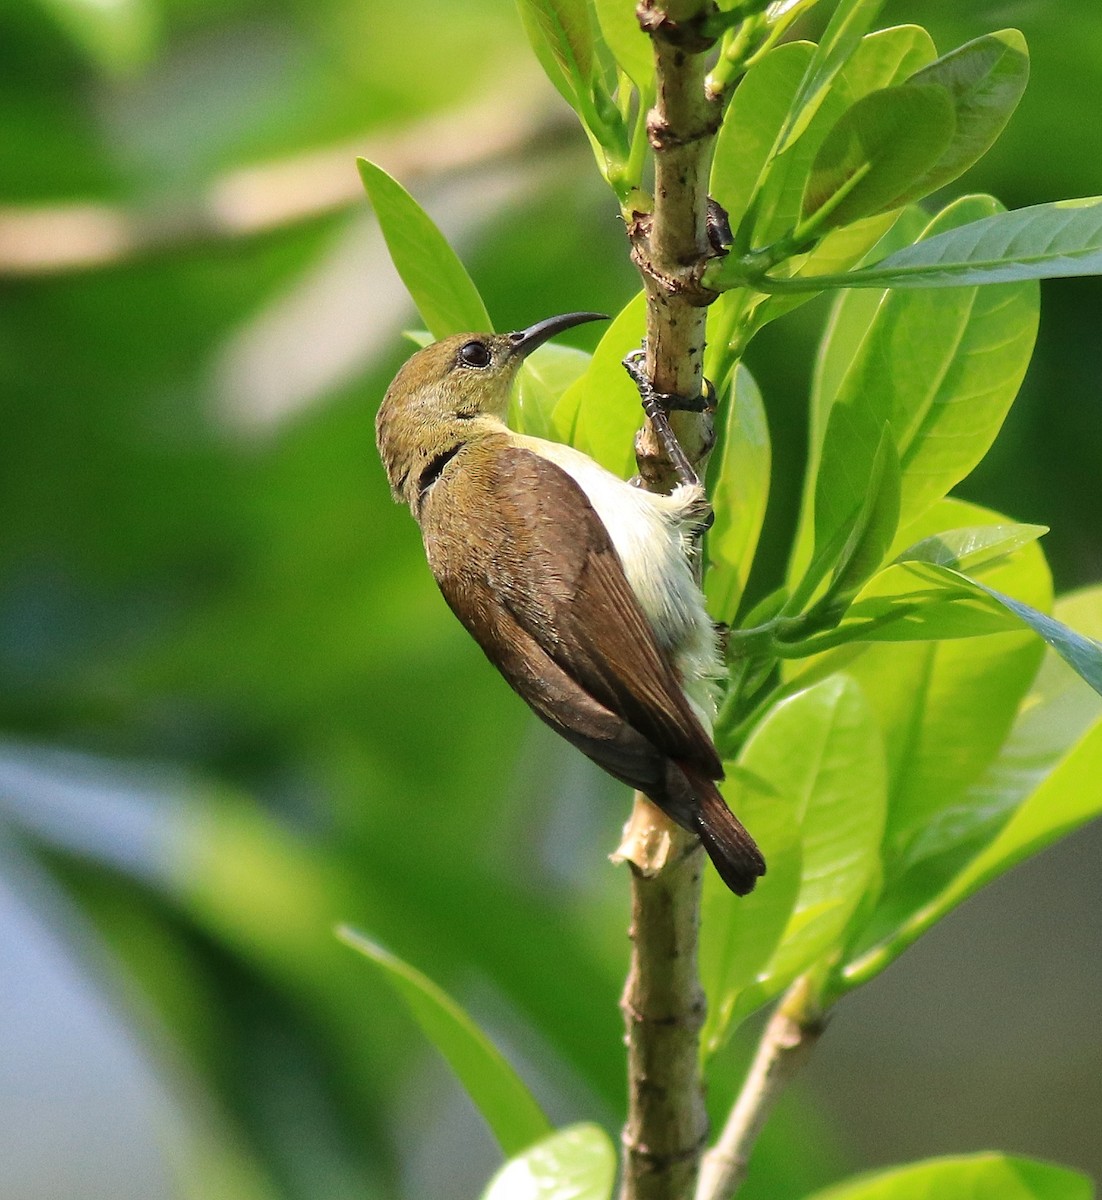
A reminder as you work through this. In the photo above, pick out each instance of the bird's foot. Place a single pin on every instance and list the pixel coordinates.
(635, 365)
(657, 406)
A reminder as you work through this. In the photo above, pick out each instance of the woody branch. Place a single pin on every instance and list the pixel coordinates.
(663, 1003)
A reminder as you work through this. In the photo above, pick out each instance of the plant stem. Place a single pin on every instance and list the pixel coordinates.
(663, 1003)
(789, 1038)
(663, 1007)
(670, 245)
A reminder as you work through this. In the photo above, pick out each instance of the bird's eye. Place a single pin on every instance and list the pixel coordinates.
(474, 354)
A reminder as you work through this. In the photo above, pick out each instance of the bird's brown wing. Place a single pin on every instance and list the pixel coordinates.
(537, 582)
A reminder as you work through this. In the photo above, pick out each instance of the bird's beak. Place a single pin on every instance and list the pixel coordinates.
(526, 340)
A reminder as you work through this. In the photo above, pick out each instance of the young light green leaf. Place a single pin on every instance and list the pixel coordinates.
(600, 412)
(739, 935)
(875, 527)
(577, 1163)
(973, 548)
(941, 371)
(435, 278)
(847, 245)
(1039, 777)
(969, 1177)
(746, 180)
(883, 58)
(561, 34)
(942, 618)
(850, 320)
(848, 24)
(863, 336)
(878, 147)
(753, 124)
(1067, 798)
(544, 377)
(1082, 654)
(630, 46)
(500, 1095)
(896, 606)
(879, 60)
(985, 79)
(821, 748)
(838, 250)
(1055, 714)
(739, 478)
(1046, 241)
(945, 707)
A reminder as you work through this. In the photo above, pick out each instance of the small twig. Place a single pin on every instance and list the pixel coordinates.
(789, 1038)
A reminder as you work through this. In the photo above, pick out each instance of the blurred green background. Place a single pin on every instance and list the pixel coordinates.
(234, 709)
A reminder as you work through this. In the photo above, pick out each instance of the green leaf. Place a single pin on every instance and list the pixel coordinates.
(945, 707)
(942, 372)
(879, 146)
(883, 58)
(985, 79)
(907, 605)
(544, 377)
(969, 1177)
(880, 60)
(875, 527)
(753, 124)
(739, 935)
(1066, 799)
(601, 412)
(739, 489)
(897, 607)
(577, 1163)
(850, 319)
(972, 548)
(561, 34)
(1041, 786)
(435, 278)
(821, 750)
(1082, 654)
(1047, 241)
(936, 608)
(849, 22)
(500, 1095)
(1056, 713)
(630, 46)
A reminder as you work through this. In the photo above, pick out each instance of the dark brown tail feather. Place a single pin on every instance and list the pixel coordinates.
(732, 850)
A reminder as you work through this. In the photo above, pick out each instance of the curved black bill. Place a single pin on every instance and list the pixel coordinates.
(526, 340)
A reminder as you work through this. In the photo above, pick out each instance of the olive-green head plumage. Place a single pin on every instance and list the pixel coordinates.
(450, 393)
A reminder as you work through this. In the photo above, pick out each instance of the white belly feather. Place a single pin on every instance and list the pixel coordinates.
(652, 538)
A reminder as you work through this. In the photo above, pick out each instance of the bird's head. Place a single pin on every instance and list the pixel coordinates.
(452, 390)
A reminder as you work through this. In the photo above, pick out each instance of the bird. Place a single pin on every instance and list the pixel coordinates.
(577, 585)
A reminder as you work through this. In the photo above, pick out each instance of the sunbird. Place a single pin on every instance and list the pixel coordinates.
(578, 586)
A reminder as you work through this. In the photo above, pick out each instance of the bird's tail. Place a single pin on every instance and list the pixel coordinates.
(732, 850)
